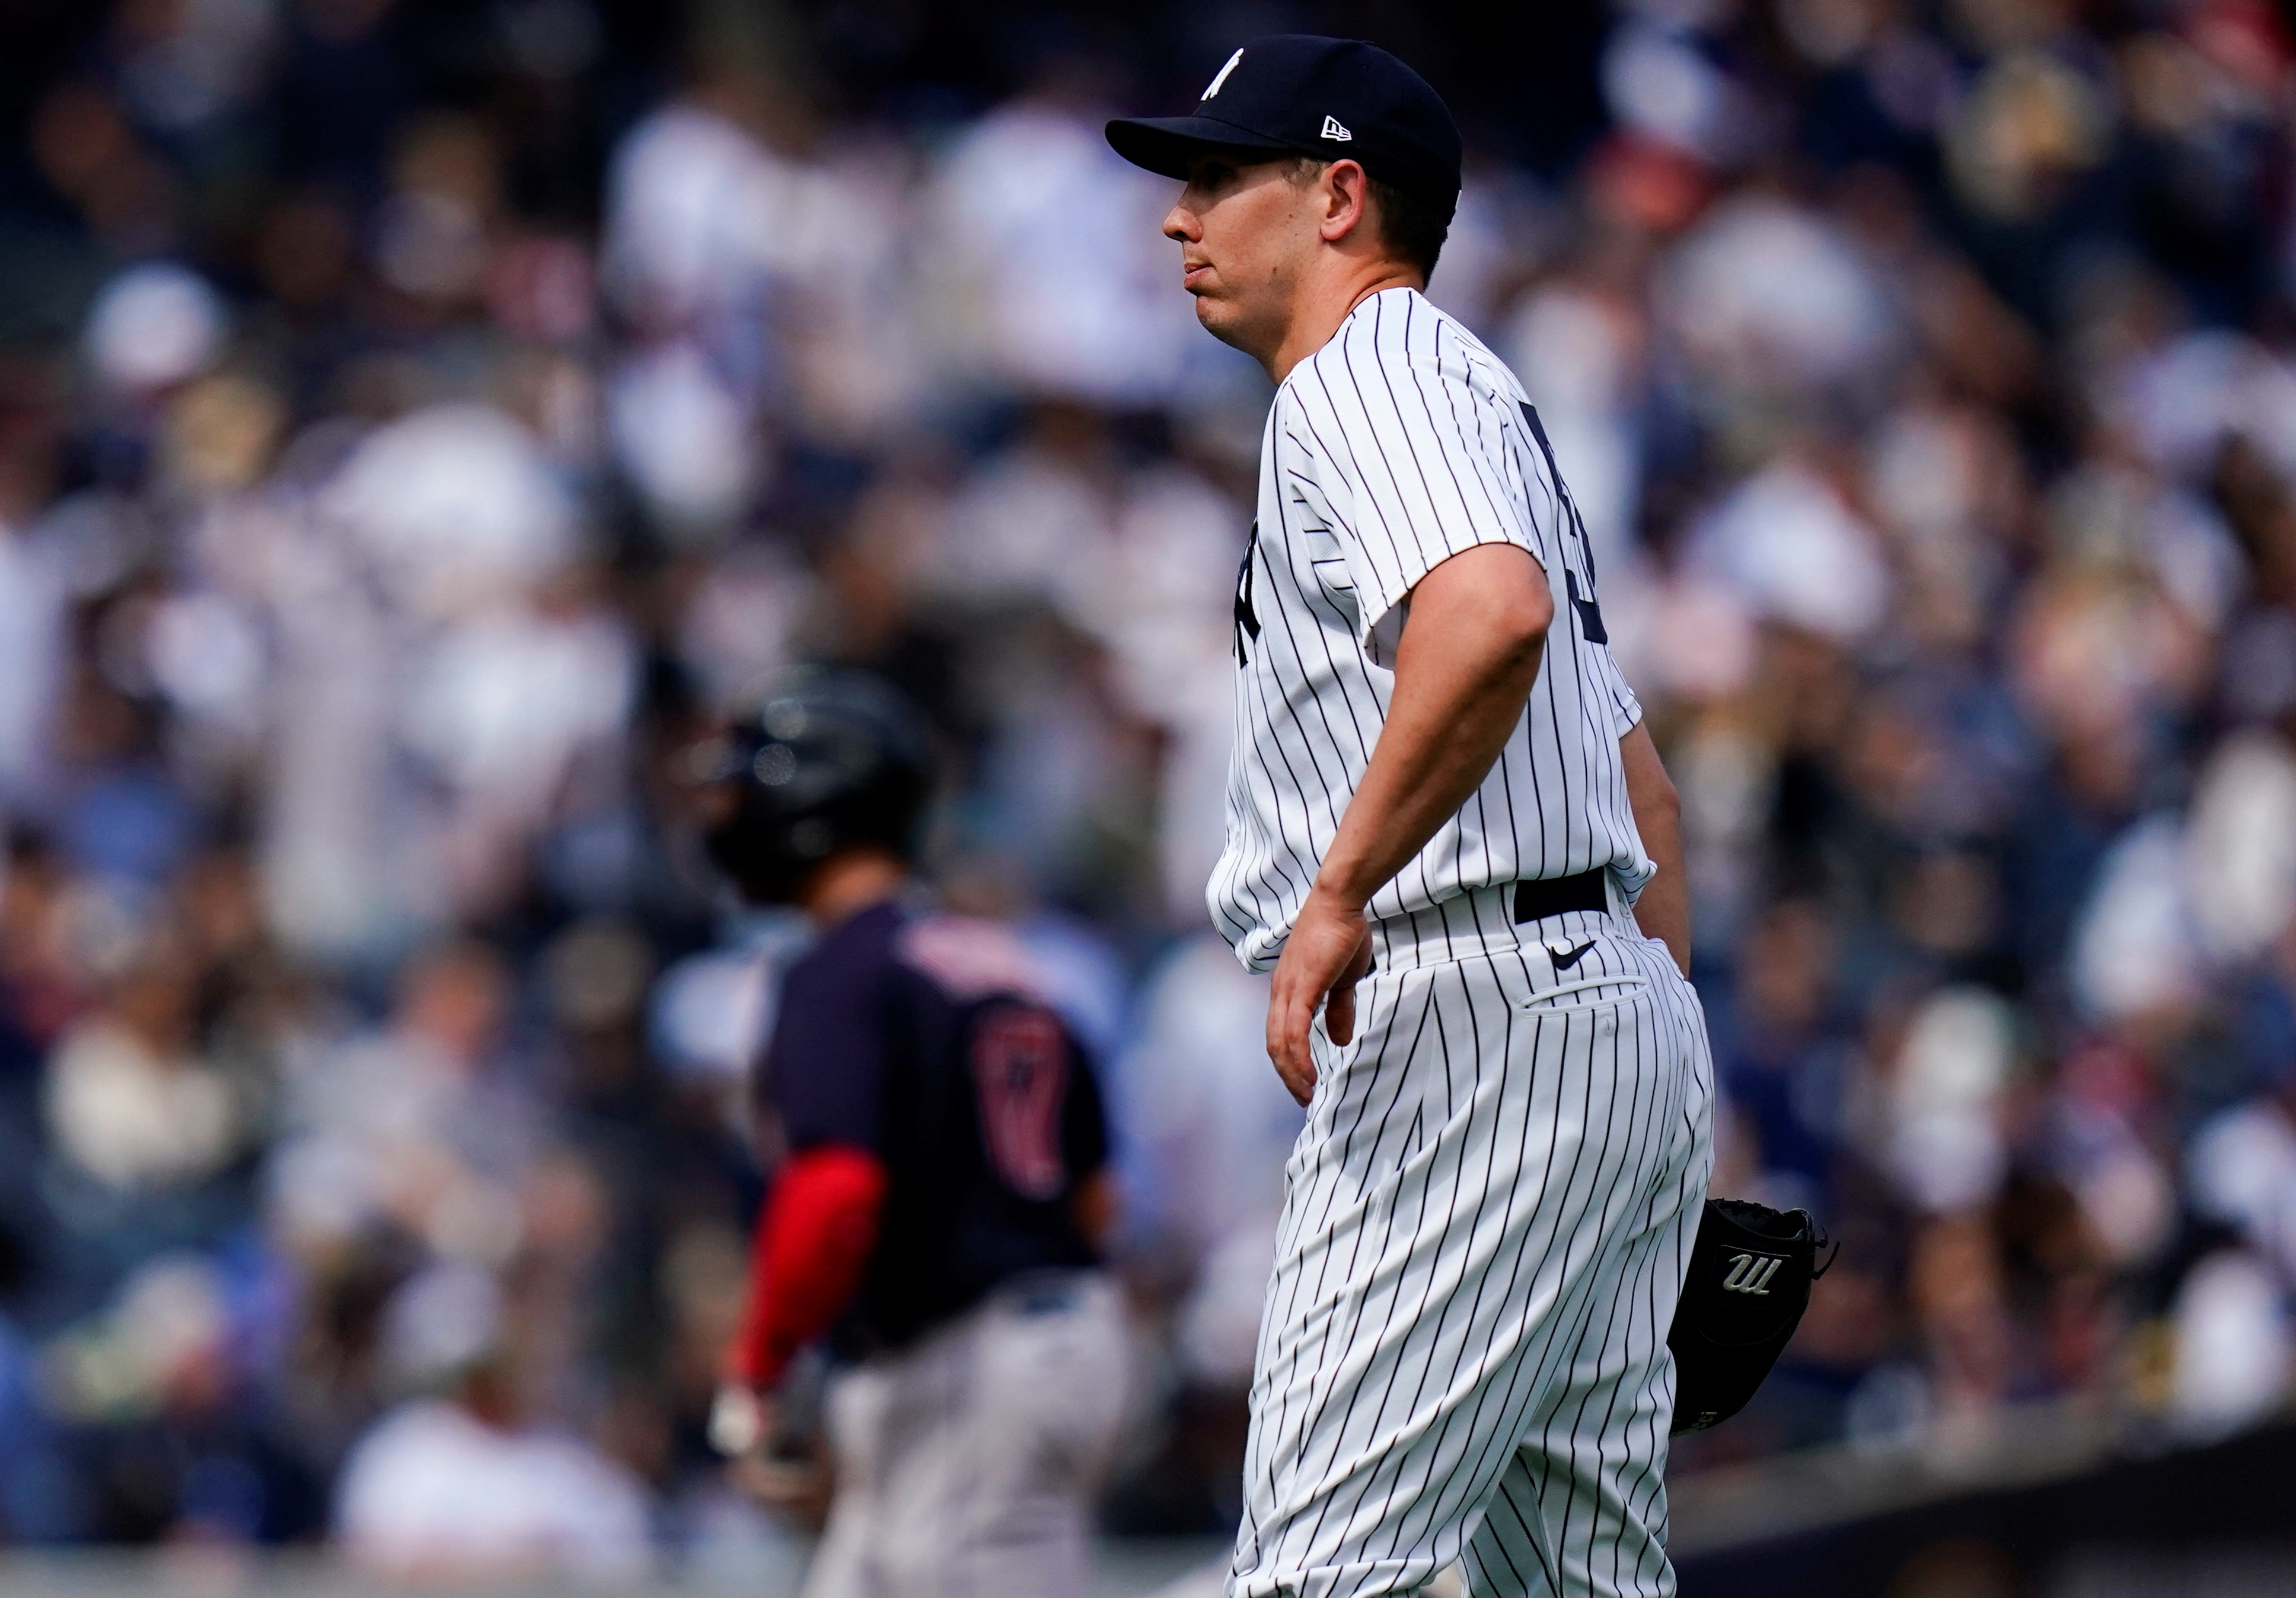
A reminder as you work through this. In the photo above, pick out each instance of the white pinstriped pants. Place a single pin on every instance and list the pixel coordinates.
(1486, 1219)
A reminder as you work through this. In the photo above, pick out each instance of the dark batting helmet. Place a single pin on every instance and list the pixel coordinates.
(830, 760)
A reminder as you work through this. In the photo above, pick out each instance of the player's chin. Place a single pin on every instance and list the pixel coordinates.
(1221, 322)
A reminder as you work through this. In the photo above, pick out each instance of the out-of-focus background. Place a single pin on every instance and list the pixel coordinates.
(417, 417)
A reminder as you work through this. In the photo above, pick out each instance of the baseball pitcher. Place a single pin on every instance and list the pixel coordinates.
(1453, 842)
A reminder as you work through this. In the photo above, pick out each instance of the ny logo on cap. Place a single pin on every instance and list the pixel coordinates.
(1333, 129)
(1222, 78)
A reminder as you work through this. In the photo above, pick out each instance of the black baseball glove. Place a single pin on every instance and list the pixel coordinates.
(1748, 1281)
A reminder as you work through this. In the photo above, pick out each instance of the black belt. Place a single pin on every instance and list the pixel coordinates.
(1536, 897)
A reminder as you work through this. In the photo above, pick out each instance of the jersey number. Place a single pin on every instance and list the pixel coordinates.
(1590, 614)
(1020, 1069)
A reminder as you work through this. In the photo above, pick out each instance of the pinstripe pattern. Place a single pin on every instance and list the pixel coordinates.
(1400, 443)
(1463, 1352)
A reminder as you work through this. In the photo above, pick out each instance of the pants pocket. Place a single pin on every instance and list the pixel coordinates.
(1589, 993)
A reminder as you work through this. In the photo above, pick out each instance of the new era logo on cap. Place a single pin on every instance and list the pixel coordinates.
(1333, 130)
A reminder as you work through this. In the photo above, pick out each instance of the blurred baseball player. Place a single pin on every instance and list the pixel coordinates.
(939, 1193)
(1441, 790)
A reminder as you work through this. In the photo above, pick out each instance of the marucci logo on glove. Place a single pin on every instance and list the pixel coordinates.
(1750, 1273)
(1740, 1305)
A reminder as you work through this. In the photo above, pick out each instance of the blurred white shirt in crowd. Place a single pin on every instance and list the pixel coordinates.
(2241, 844)
(685, 436)
(437, 689)
(1165, 611)
(1031, 524)
(786, 278)
(130, 1117)
(1788, 546)
(1945, 1136)
(2242, 1171)
(153, 325)
(455, 506)
(2187, 399)
(1765, 295)
(692, 208)
(1574, 352)
(32, 593)
(2233, 1345)
(1210, 1127)
(432, 1493)
(385, 1126)
(1060, 280)
(506, 702)
(2135, 947)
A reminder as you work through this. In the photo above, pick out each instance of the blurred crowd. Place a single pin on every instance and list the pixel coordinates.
(419, 421)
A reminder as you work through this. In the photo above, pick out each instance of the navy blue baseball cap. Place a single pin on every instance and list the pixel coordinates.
(1295, 94)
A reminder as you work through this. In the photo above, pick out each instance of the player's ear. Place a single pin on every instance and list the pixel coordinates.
(1346, 200)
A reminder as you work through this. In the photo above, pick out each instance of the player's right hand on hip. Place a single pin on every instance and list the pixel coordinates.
(1326, 955)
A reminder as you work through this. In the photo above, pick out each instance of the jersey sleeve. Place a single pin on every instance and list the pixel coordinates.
(1416, 465)
(826, 1068)
(811, 1251)
(1626, 709)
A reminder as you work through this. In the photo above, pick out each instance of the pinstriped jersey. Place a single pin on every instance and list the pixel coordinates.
(1400, 443)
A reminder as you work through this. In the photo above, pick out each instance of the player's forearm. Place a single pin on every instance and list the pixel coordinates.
(1663, 910)
(1463, 668)
(812, 1247)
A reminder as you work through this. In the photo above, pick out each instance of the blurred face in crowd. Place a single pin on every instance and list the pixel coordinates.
(155, 999)
(1786, 966)
(1254, 239)
(454, 998)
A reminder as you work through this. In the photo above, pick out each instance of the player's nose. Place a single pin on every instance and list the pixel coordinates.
(1180, 225)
